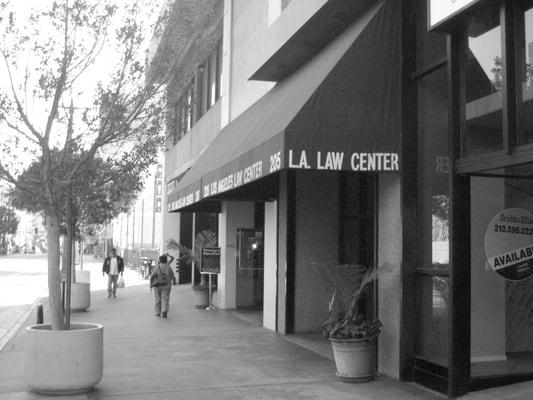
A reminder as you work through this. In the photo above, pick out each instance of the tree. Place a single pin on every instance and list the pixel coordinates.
(102, 191)
(497, 72)
(49, 60)
(9, 223)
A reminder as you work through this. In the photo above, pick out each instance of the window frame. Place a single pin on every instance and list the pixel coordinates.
(513, 150)
(199, 95)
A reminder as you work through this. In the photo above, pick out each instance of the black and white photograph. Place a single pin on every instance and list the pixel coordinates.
(266, 199)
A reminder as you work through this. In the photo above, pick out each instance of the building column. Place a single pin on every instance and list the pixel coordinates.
(389, 282)
(271, 265)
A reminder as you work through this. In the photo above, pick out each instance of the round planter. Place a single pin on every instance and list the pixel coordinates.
(201, 298)
(83, 276)
(64, 362)
(354, 359)
(80, 296)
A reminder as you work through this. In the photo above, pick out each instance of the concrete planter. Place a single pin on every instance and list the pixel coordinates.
(201, 297)
(80, 296)
(83, 276)
(354, 359)
(64, 362)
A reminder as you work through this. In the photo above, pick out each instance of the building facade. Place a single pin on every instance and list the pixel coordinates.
(386, 133)
(140, 228)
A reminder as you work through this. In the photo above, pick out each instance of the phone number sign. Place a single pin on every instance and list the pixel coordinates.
(509, 244)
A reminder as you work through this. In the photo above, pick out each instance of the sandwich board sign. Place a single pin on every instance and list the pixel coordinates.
(210, 260)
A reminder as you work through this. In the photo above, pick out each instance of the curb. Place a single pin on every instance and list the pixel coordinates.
(12, 332)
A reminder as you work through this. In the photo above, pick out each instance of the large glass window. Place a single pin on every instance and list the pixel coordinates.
(199, 95)
(432, 273)
(357, 226)
(357, 219)
(201, 89)
(501, 271)
(483, 130)
(526, 69)
(190, 108)
(212, 79)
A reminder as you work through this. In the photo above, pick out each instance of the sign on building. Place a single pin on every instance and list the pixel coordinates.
(441, 10)
(509, 244)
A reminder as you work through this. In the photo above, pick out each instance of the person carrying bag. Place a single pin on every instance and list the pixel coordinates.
(161, 282)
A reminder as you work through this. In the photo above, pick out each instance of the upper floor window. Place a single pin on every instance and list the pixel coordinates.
(525, 18)
(199, 95)
(183, 112)
(496, 80)
(483, 84)
(275, 8)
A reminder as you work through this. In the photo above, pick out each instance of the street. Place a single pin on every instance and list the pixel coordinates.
(23, 280)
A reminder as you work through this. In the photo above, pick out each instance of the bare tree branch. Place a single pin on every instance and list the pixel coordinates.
(20, 109)
(17, 129)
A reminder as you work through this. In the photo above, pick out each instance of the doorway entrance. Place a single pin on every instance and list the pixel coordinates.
(250, 269)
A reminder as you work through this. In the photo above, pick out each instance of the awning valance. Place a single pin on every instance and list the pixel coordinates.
(340, 111)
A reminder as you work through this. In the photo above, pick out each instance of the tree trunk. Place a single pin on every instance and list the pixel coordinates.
(54, 275)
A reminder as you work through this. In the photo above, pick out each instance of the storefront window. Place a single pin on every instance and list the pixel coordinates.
(501, 271)
(527, 77)
(483, 130)
(432, 273)
(357, 218)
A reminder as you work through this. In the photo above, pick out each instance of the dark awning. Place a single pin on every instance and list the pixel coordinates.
(340, 111)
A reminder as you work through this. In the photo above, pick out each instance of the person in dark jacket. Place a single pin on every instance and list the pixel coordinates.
(113, 266)
(162, 290)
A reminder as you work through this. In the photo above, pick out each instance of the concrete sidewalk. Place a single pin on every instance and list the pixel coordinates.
(197, 354)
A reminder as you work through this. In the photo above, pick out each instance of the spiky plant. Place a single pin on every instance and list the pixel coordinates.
(348, 283)
(205, 238)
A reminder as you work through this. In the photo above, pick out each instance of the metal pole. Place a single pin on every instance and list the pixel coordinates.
(142, 224)
(63, 294)
(81, 255)
(192, 246)
(154, 206)
(211, 307)
(40, 314)
(127, 229)
(121, 237)
(133, 229)
(70, 267)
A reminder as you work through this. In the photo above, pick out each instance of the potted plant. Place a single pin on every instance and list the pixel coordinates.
(351, 331)
(205, 238)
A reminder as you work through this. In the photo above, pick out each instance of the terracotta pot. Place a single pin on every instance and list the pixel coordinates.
(80, 296)
(64, 362)
(354, 359)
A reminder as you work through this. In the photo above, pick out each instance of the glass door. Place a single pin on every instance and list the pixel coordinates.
(501, 255)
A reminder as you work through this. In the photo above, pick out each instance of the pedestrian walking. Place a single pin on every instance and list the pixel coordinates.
(113, 266)
(161, 281)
